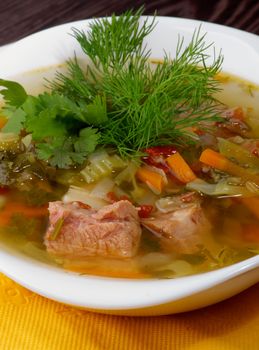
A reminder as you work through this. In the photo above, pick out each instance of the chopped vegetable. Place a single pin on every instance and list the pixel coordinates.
(241, 155)
(103, 187)
(152, 179)
(222, 188)
(218, 161)
(128, 176)
(101, 164)
(79, 194)
(180, 168)
(57, 229)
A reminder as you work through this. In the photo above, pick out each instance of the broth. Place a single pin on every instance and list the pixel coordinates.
(234, 233)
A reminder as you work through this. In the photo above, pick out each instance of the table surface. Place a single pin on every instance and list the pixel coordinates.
(21, 18)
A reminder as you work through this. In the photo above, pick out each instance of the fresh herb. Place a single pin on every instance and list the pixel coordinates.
(14, 94)
(65, 151)
(56, 230)
(146, 105)
(57, 125)
(119, 99)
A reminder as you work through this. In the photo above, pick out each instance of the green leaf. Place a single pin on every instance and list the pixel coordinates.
(87, 141)
(45, 125)
(96, 112)
(57, 152)
(16, 118)
(31, 106)
(62, 152)
(62, 105)
(14, 94)
(44, 151)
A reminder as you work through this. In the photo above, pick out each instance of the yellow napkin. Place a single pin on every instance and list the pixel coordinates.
(31, 322)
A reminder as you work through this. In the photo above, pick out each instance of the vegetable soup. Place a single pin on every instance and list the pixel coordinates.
(123, 168)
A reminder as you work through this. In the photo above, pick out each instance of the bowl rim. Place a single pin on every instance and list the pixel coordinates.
(87, 291)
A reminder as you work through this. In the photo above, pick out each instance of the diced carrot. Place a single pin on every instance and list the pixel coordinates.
(153, 179)
(180, 168)
(3, 121)
(220, 162)
(214, 159)
(252, 203)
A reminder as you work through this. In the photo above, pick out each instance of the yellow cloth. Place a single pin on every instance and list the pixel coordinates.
(31, 322)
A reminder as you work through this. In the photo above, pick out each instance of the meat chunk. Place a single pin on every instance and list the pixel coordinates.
(183, 230)
(113, 231)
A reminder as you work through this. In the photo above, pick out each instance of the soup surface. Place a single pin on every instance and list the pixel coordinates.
(233, 233)
(124, 168)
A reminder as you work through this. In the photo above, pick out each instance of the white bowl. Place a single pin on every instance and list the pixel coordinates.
(123, 296)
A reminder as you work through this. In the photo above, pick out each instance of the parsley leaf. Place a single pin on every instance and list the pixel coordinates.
(64, 151)
(14, 94)
(87, 141)
(16, 118)
(96, 112)
(57, 125)
(93, 113)
(45, 125)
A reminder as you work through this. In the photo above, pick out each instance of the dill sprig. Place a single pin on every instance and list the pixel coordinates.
(111, 43)
(146, 105)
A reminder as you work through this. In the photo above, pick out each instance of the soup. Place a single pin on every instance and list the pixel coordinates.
(126, 168)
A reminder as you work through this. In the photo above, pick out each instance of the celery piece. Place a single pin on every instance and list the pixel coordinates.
(238, 153)
(101, 164)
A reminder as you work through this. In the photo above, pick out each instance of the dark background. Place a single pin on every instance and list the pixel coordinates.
(19, 18)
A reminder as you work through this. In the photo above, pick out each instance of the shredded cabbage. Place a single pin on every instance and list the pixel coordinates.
(223, 188)
(80, 194)
(128, 175)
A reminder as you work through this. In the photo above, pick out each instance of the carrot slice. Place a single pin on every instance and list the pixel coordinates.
(180, 168)
(153, 179)
(214, 159)
(220, 162)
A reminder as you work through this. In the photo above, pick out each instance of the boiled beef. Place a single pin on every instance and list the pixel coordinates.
(113, 231)
(183, 229)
